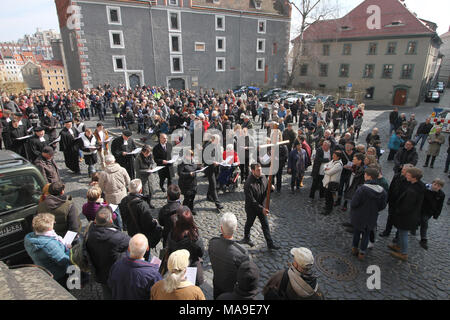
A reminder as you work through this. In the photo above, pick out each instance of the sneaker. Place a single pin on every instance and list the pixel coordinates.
(246, 241)
(371, 245)
(355, 252)
(344, 209)
(273, 247)
(219, 206)
(401, 256)
(424, 244)
(394, 247)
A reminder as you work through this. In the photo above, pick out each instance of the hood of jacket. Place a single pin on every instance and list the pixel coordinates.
(54, 202)
(374, 190)
(112, 168)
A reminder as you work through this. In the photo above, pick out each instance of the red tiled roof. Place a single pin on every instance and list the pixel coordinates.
(356, 21)
(39, 57)
(51, 63)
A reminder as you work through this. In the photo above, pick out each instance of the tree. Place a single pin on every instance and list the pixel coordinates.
(310, 12)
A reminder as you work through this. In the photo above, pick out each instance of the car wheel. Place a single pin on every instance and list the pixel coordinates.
(438, 100)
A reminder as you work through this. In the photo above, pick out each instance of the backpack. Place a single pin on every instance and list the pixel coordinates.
(280, 294)
(78, 253)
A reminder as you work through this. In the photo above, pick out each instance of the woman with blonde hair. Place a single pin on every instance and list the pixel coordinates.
(175, 286)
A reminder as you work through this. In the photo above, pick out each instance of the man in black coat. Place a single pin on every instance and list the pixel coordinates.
(323, 156)
(49, 123)
(137, 215)
(407, 154)
(69, 146)
(162, 153)
(255, 191)
(397, 186)
(37, 143)
(393, 120)
(226, 255)
(167, 213)
(212, 156)
(121, 148)
(187, 180)
(105, 245)
(408, 211)
(422, 132)
(347, 160)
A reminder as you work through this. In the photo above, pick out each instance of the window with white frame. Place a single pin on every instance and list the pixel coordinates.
(199, 46)
(116, 39)
(220, 23)
(221, 45)
(220, 64)
(114, 15)
(261, 45)
(175, 43)
(173, 2)
(260, 64)
(119, 63)
(174, 20)
(261, 26)
(176, 64)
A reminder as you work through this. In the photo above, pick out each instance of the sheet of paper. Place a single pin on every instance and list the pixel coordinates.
(108, 140)
(92, 148)
(79, 137)
(155, 169)
(113, 206)
(25, 137)
(191, 274)
(56, 140)
(184, 124)
(381, 151)
(29, 129)
(201, 170)
(69, 237)
(135, 151)
(156, 261)
(150, 130)
(174, 159)
(266, 158)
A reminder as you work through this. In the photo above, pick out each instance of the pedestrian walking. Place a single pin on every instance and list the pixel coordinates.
(422, 132)
(435, 141)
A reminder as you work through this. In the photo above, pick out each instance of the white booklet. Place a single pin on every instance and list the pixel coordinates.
(25, 137)
(135, 151)
(191, 274)
(108, 140)
(155, 260)
(201, 170)
(225, 163)
(155, 169)
(56, 140)
(150, 130)
(174, 159)
(69, 237)
(113, 206)
(266, 158)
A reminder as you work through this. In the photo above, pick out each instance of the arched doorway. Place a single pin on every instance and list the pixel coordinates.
(400, 96)
(177, 84)
(135, 80)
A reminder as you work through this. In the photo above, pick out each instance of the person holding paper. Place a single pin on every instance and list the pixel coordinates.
(89, 145)
(162, 153)
(143, 163)
(47, 249)
(131, 277)
(69, 146)
(175, 286)
(102, 136)
(37, 143)
(49, 122)
(187, 180)
(121, 148)
(13, 141)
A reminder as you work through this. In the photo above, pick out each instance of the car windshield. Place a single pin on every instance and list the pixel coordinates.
(18, 192)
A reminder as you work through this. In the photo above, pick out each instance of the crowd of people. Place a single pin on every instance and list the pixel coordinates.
(124, 224)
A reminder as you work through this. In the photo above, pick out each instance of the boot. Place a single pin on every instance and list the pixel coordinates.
(394, 247)
(400, 256)
(424, 244)
(355, 252)
(426, 162)
(432, 162)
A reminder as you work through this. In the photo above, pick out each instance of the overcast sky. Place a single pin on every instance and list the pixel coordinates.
(20, 17)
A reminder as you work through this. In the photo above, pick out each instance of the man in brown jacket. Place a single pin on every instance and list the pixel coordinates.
(47, 166)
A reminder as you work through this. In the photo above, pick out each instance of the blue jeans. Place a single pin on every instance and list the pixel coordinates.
(118, 221)
(91, 169)
(422, 137)
(391, 128)
(364, 240)
(403, 240)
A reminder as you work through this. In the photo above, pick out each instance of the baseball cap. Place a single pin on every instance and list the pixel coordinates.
(303, 256)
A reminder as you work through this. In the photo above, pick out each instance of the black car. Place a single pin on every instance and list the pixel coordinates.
(21, 186)
(264, 96)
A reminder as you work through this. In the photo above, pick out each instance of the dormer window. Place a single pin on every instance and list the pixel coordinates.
(395, 24)
(257, 4)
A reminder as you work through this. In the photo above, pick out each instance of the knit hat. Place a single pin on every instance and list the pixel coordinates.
(248, 277)
(127, 133)
(178, 260)
(303, 256)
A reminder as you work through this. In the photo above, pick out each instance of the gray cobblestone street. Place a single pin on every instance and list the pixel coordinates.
(295, 221)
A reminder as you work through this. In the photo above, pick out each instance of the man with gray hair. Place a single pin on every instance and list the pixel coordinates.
(131, 278)
(226, 256)
(137, 216)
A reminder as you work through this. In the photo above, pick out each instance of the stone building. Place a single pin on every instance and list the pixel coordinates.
(392, 63)
(175, 43)
(444, 73)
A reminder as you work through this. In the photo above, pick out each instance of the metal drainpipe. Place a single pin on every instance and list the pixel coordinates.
(153, 42)
(240, 51)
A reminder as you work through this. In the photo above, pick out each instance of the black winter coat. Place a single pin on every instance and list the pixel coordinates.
(408, 207)
(358, 180)
(368, 200)
(195, 248)
(319, 159)
(255, 190)
(404, 156)
(166, 218)
(432, 203)
(105, 245)
(186, 181)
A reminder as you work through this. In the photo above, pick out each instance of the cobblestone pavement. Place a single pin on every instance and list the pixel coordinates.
(295, 221)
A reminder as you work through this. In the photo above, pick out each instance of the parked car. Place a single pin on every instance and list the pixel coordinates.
(346, 101)
(432, 96)
(440, 87)
(264, 96)
(286, 94)
(327, 100)
(21, 186)
(276, 96)
(298, 96)
(30, 282)
(238, 91)
(442, 117)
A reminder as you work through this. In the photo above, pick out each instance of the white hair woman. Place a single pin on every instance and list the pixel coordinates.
(46, 248)
(175, 286)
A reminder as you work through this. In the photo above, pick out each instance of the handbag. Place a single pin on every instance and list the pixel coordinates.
(333, 186)
(79, 254)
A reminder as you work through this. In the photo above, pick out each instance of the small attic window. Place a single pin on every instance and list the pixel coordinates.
(395, 24)
(345, 28)
(257, 4)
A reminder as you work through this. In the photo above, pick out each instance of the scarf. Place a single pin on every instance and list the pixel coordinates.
(303, 284)
(147, 161)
